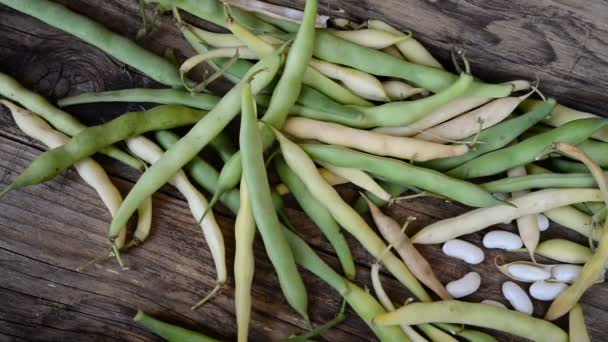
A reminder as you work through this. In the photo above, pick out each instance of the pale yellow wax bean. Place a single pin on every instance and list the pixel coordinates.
(360, 179)
(144, 221)
(361, 83)
(372, 38)
(398, 90)
(527, 225)
(477, 314)
(88, 169)
(410, 48)
(150, 152)
(371, 142)
(345, 215)
(472, 122)
(244, 266)
(574, 219)
(481, 218)
(442, 114)
(576, 325)
(564, 251)
(276, 11)
(330, 177)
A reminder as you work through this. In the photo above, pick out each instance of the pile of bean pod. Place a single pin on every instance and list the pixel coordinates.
(324, 101)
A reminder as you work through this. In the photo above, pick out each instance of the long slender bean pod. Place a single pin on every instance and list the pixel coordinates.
(244, 265)
(562, 250)
(305, 169)
(528, 150)
(371, 38)
(575, 220)
(478, 219)
(151, 153)
(469, 123)
(88, 169)
(562, 115)
(124, 50)
(596, 150)
(435, 334)
(406, 112)
(319, 215)
(360, 179)
(541, 181)
(396, 171)
(92, 139)
(336, 50)
(595, 265)
(371, 142)
(568, 166)
(363, 303)
(188, 147)
(410, 48)
(467, 334)
(527, 225)
(263, 209)
(576, 325)
(330, 177)
(59, 119)
(162, 96)
(482, 315)
(170, 332)
(496, 137)
(415, 262)
(229, 40)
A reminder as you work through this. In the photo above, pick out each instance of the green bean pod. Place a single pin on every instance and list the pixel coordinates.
(319, 215)
(123, 49)
(170, 332)
(92, 139)
(597, 150)
(191, 144)
(393, 189)
(542, 181)
(568, 166)
(403, 113)
(482, 315)
(59, 119)
(336, 50)
(264, 211)
(162, 96)
(527, 151)
(201, 172)
(399, 172)
(213, 11)
(363, 303)
(496, 137)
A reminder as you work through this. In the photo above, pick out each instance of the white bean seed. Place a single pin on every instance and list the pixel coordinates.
(517, 297)
(566, 273)
(542, 221)
(464, 286)
(543, 290)
(502, 240)
(528, 273)
(463, 250)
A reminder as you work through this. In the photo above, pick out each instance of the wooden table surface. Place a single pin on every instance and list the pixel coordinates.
(50, 229)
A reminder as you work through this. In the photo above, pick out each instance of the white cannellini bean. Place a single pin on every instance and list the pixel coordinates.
(566, 273)
(543, 290)
(493, 302)
(463, 250)
(464, 286)
(502, 239)
(517, 297)
(542, 221)
(529, 273)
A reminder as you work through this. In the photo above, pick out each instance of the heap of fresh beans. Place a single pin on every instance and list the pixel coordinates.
(324, 101)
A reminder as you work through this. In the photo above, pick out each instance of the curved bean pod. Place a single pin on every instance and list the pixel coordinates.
(496, 137)
(62, 121)
(482, 315)
(90, 140)
(162, 96)
(371, 142)
(541, 181)
(360, 179)
(402, 173)
(371, 38)
(170, 332)
(527, 225)
(478, 219)
(528, 150)
(576, 325)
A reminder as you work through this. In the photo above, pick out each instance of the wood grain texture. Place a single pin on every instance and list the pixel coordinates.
(50, 229)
